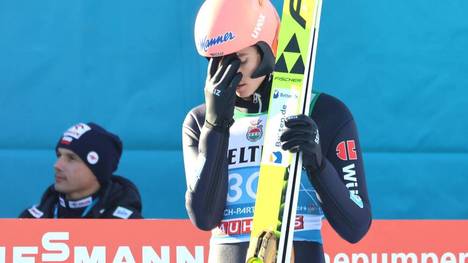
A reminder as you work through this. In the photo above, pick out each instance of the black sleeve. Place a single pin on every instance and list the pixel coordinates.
(341, 184)
(206, 170)
(25, 214)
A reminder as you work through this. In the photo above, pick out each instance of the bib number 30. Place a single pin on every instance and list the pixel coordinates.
(237, 187)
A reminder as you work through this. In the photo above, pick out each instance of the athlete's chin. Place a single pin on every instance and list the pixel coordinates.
(61, 187)
(244, 94)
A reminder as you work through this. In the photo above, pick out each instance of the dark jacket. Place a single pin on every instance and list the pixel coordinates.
(119, 199)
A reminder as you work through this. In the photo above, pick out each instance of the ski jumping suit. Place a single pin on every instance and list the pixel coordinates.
(222, 175)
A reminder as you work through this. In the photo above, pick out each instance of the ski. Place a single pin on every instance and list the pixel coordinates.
(280, 171)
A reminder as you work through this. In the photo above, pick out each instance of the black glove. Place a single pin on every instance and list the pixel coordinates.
(301, 134)
(220, 91)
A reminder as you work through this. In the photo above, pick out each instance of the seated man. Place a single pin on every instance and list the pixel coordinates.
(85, 187)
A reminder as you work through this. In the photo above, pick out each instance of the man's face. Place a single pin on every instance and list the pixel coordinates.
(72, 177)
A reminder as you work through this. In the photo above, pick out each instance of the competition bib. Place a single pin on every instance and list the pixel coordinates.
(244, 155)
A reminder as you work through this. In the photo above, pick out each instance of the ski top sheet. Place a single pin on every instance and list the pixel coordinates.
(280, 171)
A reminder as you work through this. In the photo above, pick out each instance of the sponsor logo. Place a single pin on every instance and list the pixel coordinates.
(346, 150)
(206, 43)
(35, 212)
(276, 94)
(349, 176)
(59, 247)
(397, 257)
(299, 223)
(282, 125)
(254, 131)
(259, 26)
(75, 132)
(249, 154)
(236, 227)
(217, 92)
(92, 157)
(289, 57)
(356, 199)
(295, 10)
(276, 157)
(246, 211)
(244, 226)
(288, 79)
(122, 212)
(80, 203)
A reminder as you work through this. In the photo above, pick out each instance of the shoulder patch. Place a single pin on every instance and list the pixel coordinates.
(122, 212)
(35, 212)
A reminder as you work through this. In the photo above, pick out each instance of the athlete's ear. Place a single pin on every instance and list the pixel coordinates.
(267, 62)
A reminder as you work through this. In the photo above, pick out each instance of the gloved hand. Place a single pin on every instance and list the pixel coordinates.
(302, 134)
(220, 91)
